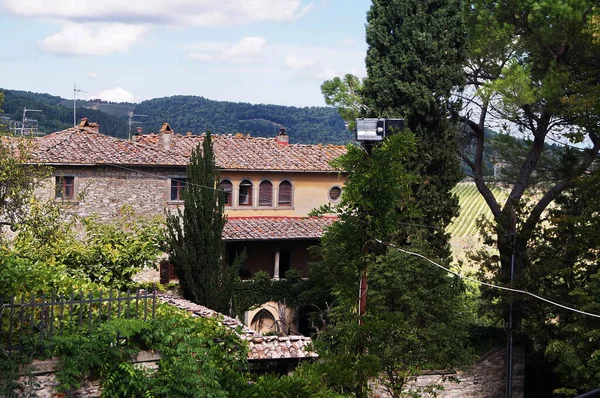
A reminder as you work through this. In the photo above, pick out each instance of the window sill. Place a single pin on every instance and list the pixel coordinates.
(66, 201)
(175, 202)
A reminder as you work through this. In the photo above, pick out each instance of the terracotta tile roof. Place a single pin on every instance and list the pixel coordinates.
(254, 153)
(85, 146)
(259, 346)
(275, 228)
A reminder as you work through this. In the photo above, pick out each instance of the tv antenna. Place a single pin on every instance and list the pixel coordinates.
(75, 91)
(131, 121)
(25, 120)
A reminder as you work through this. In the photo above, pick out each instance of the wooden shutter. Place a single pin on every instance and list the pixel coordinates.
(285, 193)
(265, 194)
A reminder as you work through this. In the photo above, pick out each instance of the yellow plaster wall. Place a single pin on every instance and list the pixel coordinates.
(310, 190)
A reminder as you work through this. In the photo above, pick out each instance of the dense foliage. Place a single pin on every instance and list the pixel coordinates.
(415, 314)
(194, 234)
(48, 253)
(197, 114)
(184, 113)
(57, 113)
(566, 267)
(532, 71)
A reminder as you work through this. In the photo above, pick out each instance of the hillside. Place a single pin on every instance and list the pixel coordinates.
(464, 231)
(198, 114)
(184, 113)
(57, 113)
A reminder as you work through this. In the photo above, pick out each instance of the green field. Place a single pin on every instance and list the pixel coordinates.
(465, 234)
(472, 207)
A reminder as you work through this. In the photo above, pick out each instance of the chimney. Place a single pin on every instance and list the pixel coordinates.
(165, 136)
(139, 130)
(95, 127)
(84, 122)
(282, 137)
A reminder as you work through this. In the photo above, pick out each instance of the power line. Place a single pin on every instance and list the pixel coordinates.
(489, 284)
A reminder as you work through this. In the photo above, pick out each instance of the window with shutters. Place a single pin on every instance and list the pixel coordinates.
(245, 193)
(265, 194)
(226, 188)
(285, 194)
(177, 186)
(64, 188)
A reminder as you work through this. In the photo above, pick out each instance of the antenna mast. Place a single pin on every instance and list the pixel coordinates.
(25, 120)
(131, 121)
(75, 91)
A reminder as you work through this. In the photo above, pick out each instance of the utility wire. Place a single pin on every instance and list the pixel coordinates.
(510, 289)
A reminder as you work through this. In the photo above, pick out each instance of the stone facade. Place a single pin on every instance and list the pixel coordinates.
(104, 190)
(485, 379)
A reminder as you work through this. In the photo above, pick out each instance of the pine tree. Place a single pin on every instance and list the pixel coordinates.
(194, 234)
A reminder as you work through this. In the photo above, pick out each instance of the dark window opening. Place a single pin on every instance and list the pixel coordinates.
(284, 262)
(177, 188)
(245, 197)
(65, 188)
(285, 194)
(265, 194)
(226, 188)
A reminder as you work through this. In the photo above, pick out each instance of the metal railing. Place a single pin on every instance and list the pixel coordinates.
(42, 316)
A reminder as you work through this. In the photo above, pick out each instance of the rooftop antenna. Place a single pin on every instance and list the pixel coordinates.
(25, 120)
(131, 121)
(75, 91)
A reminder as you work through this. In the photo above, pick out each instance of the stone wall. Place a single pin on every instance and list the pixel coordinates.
(485, 379)
(104, 190)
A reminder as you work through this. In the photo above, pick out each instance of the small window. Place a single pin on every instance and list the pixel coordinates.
(177, 187)
(265, 194)
(335, 193)
(226, 188)
(245, 197)
(65, 188)
(285, 194)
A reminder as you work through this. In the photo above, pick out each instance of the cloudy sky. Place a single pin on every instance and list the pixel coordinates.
(258, 51)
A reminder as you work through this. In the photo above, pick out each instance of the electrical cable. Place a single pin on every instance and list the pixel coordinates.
(489, 284)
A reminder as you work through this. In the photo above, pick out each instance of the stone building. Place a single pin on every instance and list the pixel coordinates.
(270, 184)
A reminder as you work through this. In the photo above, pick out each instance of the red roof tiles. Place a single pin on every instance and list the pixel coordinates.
(82, 145)
(275, 228)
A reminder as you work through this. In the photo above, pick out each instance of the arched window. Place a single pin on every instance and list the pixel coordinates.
(265, 194)
(264, 322)
(226, 188)
(285, 194)
(245, 194)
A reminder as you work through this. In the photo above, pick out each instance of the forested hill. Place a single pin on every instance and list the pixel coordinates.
(184, 113)
(57, 113)
(198, 114)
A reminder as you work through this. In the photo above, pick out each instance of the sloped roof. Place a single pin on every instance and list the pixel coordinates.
(86, 147)
(275, 228)
(259, 346)
(254, 153)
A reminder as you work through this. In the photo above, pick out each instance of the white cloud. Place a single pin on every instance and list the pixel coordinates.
(92, 75)
(293, 62)
(247, 50)
(118, 94)
(93, 39)
(163, 12)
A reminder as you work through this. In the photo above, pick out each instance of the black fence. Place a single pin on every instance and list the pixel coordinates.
(42, 316)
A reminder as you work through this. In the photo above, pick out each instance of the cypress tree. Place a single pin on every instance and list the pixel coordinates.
(415, 59)
(195, 234)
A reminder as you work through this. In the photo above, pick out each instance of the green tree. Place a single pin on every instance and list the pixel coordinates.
(18, 177)
(532, 70)
(566, 267)
(409, 302)
(194, 234)
(414, 61)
